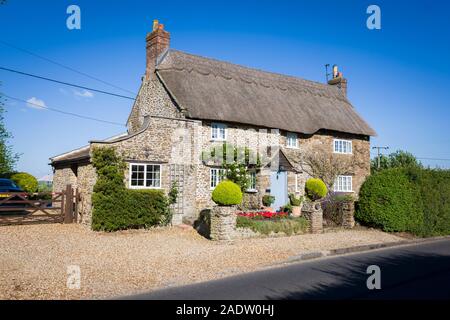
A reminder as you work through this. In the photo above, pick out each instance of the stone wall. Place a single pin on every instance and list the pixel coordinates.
(86, 181)
(62, 177)
(313, 212)
(223, 223)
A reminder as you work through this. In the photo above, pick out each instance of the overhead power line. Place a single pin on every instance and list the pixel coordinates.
(64, 112)
(65, 83)
(64, 66)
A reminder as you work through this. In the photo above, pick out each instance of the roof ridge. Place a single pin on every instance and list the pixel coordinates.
(252, 69)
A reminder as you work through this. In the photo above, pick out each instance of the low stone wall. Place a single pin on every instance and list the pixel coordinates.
(313, 212)
(348, 214)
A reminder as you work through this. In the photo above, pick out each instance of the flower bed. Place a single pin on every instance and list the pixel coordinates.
(263, 214)
(271, 223)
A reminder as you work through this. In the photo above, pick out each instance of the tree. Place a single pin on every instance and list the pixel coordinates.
(8, 158)
(397, 159)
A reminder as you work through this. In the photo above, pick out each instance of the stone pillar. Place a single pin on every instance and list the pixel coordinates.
(348, 214)
(223, 223)
(313, 212)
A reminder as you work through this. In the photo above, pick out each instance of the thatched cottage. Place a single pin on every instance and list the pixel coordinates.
(188, 104)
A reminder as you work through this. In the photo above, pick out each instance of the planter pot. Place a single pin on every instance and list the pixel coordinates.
(296, 211)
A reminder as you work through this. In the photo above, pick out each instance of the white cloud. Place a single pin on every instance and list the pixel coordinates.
(85, 93)
(36, 103)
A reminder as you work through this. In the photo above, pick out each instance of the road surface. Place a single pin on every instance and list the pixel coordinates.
(420, 271)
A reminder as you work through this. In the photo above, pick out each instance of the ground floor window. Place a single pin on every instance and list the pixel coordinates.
(343, 184)
(145, 175)
(252, 180)
(216, 175)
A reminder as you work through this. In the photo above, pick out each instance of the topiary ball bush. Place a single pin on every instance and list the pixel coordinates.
(227, 193)
(315, 189)
(25, 180)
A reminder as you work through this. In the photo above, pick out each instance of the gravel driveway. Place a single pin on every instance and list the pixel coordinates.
(34, 258)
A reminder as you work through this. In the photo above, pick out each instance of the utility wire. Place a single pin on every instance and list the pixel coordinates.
(64, 112)
(65, 83)
(64, 66)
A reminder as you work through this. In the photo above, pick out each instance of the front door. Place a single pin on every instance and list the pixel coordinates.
(278, 188)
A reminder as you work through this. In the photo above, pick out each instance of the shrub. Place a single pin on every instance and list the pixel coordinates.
(227, 193)
(267, 200)
(115, 207)
(288, 226)
(25, 180)
(391, 201)
(315, 189)
(131, 209)
(295, 201)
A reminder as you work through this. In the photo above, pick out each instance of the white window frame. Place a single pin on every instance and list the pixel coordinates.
(217, 175)
(342, 146)
(252, 188)
(145, 175)
(216, 128)
(289, 137)
(343, 184)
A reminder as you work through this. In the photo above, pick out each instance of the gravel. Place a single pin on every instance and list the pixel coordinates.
(34, 258)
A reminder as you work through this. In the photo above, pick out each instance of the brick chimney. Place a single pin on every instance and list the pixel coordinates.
(156, 42)
(338, 80)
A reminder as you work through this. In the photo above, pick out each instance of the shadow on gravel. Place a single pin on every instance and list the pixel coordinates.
(403, 276)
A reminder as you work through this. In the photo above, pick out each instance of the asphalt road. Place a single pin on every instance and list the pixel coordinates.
(419, 271)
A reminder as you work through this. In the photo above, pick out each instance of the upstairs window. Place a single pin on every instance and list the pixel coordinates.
(291, 140)
(145, 175)
(342, 146)
(218, 132)
(343, 184)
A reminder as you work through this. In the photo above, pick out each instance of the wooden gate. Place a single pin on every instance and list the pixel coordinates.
(22, 208)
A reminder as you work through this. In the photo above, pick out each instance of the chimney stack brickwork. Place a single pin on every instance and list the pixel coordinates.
(338, 80)
(157, 41)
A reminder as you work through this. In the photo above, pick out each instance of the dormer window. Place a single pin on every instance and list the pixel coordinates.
(291, 140)
(342, 146)
(218, 132)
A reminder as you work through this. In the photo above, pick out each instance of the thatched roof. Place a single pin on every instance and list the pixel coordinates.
(214, 90)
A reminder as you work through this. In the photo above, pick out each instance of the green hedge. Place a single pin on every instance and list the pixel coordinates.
(131, 209)
(115, 207)
(406, 199)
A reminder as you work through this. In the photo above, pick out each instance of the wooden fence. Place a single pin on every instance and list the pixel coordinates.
(22, 208)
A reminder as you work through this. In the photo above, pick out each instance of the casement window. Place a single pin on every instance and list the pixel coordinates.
(291, 140)
(145, 175)
(252, 185)
(216, 175)
(343, 184)
(342, 146)
(218, 132)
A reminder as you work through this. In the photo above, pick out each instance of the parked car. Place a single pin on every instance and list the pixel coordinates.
(8, 187)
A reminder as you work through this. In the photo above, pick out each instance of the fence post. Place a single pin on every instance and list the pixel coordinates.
(68, 215)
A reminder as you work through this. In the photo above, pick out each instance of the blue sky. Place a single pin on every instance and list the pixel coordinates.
(398, 76)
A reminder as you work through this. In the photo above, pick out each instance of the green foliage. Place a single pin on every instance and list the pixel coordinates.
(227, 193)
(315, 189)
(114, 206)
(287, 208)
(24, 180)
(131, 209)
(238, 162)
(288, 225)
(8, 158)
(173, 193)
(295, 201)
(397, 159)
(267, 200)
(390, 200)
